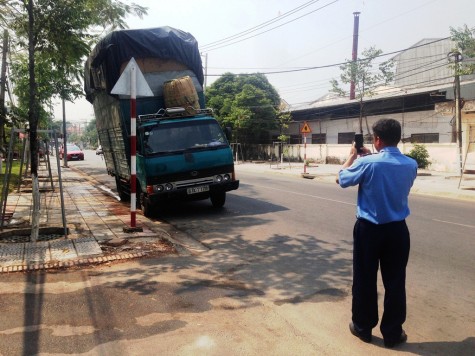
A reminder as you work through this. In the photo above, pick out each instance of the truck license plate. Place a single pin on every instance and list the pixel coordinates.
(194, 190)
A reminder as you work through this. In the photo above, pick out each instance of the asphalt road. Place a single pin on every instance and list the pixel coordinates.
(276, 280)
(299, 222)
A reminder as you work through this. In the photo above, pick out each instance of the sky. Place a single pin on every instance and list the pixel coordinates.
(292, 35)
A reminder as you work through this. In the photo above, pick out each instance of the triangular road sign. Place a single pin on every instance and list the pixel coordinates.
(123, 87)
(305, 128)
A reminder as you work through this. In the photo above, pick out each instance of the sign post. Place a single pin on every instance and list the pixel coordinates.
(132, 83)
(305, 130)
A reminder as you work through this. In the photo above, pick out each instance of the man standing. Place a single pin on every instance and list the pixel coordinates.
(380, 235)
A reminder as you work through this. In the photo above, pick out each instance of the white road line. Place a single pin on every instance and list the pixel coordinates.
(452, 223)
(305, 195)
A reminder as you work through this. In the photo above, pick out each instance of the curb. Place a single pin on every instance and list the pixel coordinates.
(71, 263)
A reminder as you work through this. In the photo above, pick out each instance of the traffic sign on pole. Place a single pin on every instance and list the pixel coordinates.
(123, 85)
(305, 128)
(132, 83)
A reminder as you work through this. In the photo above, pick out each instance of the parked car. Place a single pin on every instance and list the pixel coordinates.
(73, 153)
(99, 150)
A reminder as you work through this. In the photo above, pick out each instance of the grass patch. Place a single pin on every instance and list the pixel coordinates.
(14, 178)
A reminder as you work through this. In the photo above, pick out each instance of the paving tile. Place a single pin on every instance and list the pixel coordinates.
(11, 254)
(62, 250)
(37, 252)
(87, 246)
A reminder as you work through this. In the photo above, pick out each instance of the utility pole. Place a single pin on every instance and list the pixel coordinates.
(65, 134)
(458, 107)
(354, 53)
(206, 72)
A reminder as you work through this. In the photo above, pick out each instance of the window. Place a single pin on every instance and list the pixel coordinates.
(177, 136)
(320, 138)
(346, 137)
(425, 138)
(295, 139)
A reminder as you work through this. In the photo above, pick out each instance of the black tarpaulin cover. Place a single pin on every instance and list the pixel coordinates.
(120, 46)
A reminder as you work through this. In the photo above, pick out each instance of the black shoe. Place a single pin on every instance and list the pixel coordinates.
(362, 337)
(392, 343)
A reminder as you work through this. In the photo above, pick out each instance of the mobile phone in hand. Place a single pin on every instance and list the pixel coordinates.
(359, 142)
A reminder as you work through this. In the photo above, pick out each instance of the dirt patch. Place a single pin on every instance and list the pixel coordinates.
(151, 248)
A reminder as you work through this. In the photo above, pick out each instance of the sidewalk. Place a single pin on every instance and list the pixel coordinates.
(97, 220)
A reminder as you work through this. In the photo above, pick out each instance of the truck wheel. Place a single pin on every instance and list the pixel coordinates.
(218, 199)
(147, 208)
(124, 197)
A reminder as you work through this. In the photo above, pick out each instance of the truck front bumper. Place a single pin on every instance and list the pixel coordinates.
(198, 192)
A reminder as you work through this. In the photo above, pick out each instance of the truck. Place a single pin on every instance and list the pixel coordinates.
(182, 152)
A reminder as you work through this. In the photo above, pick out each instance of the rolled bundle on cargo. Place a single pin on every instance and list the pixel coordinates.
(181, 92)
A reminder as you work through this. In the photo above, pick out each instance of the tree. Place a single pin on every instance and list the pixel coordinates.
(365, 79)
(464, 39)
(90, 136)
(56, 37)
(248, 103)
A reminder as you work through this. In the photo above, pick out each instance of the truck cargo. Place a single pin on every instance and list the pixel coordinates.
(182, 152)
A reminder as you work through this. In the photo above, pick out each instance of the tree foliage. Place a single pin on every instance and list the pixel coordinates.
(248, 103)
(51, 40)
(420, 154)
(362, 72)
(464, 39)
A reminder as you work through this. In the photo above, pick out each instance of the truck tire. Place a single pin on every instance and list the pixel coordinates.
(124, 197)
(147, 209)
(218, 199)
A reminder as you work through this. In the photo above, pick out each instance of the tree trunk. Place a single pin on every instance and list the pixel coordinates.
(35, 219)
(3, 86)
(33, 113)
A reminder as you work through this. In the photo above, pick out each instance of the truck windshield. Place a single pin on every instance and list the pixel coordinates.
(183, 135)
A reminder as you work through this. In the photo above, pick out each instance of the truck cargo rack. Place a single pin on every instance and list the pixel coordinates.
(177, 112)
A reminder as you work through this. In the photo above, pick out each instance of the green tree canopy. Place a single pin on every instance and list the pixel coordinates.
(464, 39)
(366, 79)
(362, 72)
(248, 103)
(52, 38)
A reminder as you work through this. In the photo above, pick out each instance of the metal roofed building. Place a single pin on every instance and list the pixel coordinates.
(421, 98)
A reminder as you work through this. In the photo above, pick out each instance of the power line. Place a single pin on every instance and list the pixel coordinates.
(334, 64)
(255, 28)
(273, 28)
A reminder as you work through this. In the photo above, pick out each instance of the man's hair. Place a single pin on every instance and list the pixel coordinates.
(388, 130)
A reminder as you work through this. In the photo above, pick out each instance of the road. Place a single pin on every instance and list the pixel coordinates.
(276, 280)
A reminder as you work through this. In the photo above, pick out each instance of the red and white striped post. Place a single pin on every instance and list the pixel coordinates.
(133, 146)
(132, 83)
(304, 153)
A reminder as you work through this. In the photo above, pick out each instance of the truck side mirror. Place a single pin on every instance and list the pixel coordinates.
(228, 131)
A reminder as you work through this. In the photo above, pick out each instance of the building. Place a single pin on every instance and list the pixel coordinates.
(422, 98)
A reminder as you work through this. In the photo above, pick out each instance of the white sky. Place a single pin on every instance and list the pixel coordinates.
(323, 36)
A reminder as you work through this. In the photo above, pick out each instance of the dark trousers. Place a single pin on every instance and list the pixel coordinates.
(385, 245)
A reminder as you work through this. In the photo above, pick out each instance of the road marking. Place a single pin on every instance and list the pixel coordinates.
(452, 223)
(305, 195)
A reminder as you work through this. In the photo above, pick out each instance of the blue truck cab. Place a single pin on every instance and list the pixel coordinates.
(182, 153)
(182, 157)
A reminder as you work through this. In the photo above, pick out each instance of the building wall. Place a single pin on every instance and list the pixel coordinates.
(422, 122)
(443, 157)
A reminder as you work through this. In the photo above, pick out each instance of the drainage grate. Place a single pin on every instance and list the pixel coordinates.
(26, 238)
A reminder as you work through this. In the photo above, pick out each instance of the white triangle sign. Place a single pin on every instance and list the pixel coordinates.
(123, 85)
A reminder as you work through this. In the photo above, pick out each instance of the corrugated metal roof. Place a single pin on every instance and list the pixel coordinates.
(388, 92)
